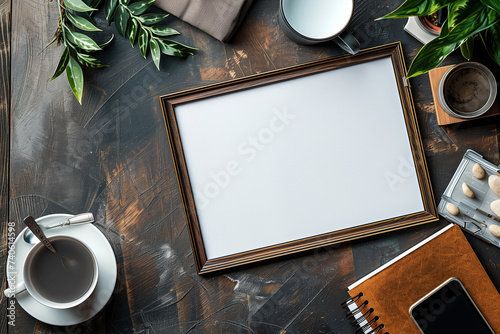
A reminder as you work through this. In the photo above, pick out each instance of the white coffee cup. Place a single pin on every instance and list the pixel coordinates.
(315, 21)
(54, 283)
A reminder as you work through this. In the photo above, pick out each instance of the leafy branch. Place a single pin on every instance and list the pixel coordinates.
(77, 45)
(131, 20)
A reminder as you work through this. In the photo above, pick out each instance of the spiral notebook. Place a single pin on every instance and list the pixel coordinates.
(381, 300)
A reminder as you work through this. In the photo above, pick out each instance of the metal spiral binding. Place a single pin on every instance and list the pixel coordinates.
(378, 329)
(352, 300)
(358, 315)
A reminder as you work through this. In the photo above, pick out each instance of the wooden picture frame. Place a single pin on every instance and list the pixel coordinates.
(298, 158)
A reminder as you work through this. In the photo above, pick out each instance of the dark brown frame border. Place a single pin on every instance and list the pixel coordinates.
(168, 102)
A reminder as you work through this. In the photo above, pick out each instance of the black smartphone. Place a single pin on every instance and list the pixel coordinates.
(449, 309)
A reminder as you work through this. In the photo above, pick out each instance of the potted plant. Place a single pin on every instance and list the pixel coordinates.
(466, 20)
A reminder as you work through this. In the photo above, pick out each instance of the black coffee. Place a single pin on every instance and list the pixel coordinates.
(52, 280)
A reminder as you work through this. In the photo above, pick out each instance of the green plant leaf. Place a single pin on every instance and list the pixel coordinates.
(163, 31)
(434, 52)
(78, 5)
(81, 23)
(63, 62)
(462, 10)
(138, 8)
(75, 78)
(109, 9)
(155, 52)
(143, 41)
(493, 4)
(89, 61)
(85, 15)
(150, 19)
(82, 41)
(133, 27)
(173, 48)
(491, 41)
(417, 8)
(445, 29)
(121, 19)
(467, 48)
(102, 46)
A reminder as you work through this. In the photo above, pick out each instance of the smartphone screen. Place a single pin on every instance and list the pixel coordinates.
(449, 309)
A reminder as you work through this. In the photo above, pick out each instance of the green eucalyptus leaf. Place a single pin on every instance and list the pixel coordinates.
(78, 5)
(75, 78)
(434, 52)
(133, 28)
(63, 62)
(491, 41)
(493, 4)
(150, 19)
(85, 15)
(82, 41)
(155, 52)
(124, 2)
(89, 61)
(101, 46)
(81, 23)
(163, 31)
(467, 48)
(138, 8)
(143, 42)
(417, 8)
(121, 19)
(109, 9)
(173, 48)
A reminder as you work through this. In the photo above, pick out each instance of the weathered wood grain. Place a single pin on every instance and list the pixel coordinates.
(5, 33)
(111, 156)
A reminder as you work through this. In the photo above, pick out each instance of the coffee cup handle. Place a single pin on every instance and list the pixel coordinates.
(19, 287)
(347, 42)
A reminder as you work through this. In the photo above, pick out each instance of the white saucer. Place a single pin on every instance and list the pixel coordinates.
(106, 261)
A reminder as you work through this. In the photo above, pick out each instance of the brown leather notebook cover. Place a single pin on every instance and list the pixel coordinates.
(415, 273)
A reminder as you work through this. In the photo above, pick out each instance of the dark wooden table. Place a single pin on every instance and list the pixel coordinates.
(110, 156)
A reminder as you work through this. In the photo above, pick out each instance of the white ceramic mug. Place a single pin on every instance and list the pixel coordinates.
(50, 282)
(314, 21)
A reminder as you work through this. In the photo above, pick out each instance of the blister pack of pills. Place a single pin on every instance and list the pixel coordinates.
(472, 198)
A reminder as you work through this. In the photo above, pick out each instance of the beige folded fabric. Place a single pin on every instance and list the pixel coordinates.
(219, 18)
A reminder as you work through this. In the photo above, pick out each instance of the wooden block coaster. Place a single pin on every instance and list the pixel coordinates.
(443, 118)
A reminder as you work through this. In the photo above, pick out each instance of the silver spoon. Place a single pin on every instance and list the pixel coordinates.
(68, 263)
(82, 218)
